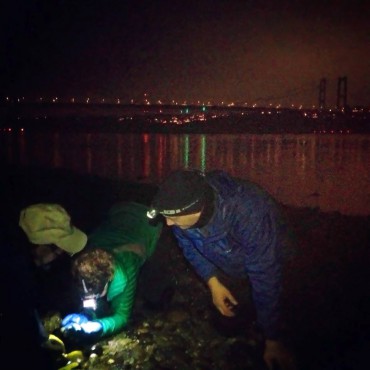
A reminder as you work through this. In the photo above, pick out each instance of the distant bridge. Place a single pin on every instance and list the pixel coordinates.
(61, 110)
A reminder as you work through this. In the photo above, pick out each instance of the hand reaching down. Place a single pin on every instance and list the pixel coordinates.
(222, 297)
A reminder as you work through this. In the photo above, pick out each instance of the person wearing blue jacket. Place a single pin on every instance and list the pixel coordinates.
(226, 225)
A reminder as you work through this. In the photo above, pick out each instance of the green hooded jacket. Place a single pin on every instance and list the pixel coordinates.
(127, 234)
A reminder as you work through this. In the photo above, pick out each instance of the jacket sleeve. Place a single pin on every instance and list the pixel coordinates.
(204, 268)
(263, 266)
(121, 306)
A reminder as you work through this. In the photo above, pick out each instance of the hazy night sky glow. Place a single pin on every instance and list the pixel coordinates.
(264, 52)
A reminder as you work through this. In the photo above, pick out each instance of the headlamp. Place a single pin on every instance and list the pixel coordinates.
(152, 213)
(91, 300)
(90, 303)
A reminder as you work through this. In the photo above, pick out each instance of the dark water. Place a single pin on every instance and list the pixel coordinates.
(331, 171)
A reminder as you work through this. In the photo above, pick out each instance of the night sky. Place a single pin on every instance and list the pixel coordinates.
(264, 52)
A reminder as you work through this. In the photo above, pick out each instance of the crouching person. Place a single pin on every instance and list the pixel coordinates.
(107, 271)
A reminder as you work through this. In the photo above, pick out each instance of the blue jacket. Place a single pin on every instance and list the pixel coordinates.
(244, 238)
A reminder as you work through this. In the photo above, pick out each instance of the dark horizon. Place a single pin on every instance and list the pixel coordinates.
(220, 51)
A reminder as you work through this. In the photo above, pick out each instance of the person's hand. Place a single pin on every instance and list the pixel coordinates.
(91, 327)
(222, 297)
(276, 353)
(78, 327)
(73, 318)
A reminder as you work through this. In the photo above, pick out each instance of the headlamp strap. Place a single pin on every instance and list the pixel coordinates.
(84, 285)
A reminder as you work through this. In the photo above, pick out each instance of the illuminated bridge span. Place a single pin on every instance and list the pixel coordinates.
(26, 110)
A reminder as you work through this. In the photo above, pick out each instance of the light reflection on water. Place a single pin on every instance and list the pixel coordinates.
(331, 172)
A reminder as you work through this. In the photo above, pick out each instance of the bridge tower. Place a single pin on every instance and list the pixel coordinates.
(322, 94)
(342, 93)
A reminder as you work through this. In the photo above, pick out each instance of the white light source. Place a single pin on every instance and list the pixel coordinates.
(90, 303)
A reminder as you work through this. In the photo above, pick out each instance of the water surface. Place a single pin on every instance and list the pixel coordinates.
(331, 172)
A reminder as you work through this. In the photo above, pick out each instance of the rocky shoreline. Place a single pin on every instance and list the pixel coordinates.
(326, 295)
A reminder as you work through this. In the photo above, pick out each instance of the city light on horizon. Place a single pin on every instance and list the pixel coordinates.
(211, 52)
(152, 102)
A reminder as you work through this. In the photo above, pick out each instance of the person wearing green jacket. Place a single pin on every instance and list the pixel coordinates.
(108, 268)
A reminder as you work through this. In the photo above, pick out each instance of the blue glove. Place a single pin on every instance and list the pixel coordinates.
(73, 318)
(91, 327)
(78, 326)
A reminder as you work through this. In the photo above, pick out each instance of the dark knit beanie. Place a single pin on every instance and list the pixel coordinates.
(181, 193)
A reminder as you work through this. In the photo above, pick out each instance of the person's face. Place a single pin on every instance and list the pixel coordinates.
(183, 222)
